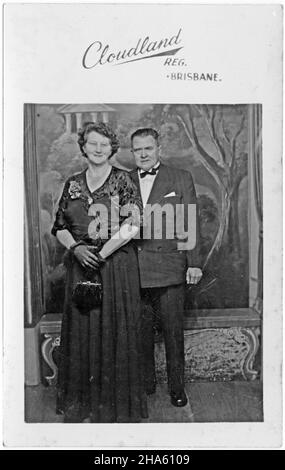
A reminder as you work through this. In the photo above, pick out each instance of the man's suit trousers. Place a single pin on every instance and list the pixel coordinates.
(164, 306)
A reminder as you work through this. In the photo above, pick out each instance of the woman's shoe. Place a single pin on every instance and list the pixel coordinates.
(151, 389)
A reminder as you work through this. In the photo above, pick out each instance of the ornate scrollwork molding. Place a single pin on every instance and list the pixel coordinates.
(216, 354)
(48, 346)
(252, 336)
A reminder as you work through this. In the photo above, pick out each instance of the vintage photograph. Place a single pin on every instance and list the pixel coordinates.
(143, 263)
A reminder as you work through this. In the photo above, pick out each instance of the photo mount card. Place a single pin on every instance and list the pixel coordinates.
(207, 81)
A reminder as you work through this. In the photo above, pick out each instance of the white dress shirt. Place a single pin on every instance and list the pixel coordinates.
(146, 183)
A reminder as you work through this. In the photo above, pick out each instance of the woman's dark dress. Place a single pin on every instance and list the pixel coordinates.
(100, 372)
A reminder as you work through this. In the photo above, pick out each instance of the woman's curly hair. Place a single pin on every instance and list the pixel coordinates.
(100, 128)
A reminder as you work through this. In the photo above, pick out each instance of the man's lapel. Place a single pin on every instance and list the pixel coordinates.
(161, 185)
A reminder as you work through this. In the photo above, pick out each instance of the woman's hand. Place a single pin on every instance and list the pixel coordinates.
(86, 258)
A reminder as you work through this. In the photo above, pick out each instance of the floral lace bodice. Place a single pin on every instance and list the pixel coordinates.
(87, 214)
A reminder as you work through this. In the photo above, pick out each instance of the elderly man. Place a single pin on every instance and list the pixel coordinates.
(166, 260)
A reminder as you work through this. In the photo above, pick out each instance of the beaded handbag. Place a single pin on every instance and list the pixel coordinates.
(87, 294)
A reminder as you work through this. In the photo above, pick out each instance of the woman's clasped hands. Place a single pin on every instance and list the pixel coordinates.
(87, 258)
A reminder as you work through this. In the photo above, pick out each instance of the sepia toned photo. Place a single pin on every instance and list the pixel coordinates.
(143, 327)
(142, 226)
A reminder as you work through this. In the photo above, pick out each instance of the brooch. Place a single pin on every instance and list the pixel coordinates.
(74, 190)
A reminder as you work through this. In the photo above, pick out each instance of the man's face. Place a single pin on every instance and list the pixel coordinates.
(145, 151)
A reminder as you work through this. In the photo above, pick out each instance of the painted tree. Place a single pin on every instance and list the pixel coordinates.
(50, 189)
(218, 135)
(65, 156)
(50, 125)
(63, 160)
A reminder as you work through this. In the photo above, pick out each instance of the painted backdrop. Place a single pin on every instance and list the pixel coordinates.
(211, 141)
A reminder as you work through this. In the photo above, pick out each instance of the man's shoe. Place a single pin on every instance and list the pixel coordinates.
(178, 399)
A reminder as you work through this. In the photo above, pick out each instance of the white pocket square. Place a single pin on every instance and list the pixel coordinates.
(170, 194)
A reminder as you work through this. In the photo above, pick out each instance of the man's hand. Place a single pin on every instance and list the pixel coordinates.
(193, 275)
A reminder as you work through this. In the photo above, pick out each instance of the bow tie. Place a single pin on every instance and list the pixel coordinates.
(153, 171)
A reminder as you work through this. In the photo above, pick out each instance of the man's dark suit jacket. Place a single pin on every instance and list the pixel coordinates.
(161, 262)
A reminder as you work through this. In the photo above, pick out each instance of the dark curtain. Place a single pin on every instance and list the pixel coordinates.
(255, 129)
(33, 281)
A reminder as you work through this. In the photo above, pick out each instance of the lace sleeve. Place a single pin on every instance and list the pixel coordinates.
(130, 201)
(60, 222)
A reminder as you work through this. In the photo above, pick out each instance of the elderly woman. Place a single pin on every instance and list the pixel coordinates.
(100, 353)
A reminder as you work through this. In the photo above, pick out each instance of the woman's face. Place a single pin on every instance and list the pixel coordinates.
(97, 148)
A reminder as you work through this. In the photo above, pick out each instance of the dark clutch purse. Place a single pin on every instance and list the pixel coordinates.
(87, 294)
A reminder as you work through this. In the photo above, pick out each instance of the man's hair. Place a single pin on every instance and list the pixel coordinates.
(144, 132)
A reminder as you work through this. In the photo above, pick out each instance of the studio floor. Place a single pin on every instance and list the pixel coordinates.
(207, 402)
